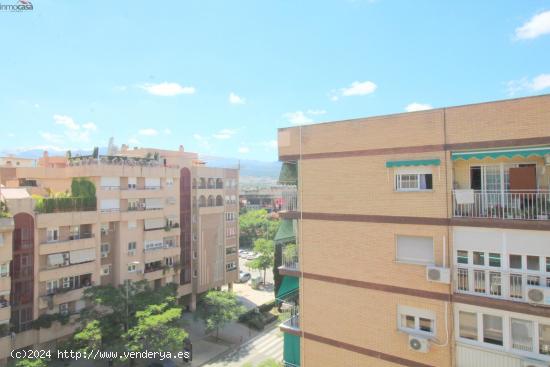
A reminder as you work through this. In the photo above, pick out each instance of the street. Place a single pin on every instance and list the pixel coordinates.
(265, 346)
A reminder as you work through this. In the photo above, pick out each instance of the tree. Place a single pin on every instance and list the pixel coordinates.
(266, 251)
(89, 338)
(218, 308)
(156, 330)
(29, 362)
(256, 224)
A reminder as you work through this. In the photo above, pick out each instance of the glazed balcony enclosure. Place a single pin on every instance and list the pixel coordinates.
(509, 184)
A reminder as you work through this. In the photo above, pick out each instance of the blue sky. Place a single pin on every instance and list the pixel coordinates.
(220, 77)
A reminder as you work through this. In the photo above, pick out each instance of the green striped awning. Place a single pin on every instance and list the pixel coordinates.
(286, 231)
(413, 162)
(506, 153)
(291, 349)
(288, 285)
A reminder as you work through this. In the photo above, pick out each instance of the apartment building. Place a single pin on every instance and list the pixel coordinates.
(422, 238)
(144, 222)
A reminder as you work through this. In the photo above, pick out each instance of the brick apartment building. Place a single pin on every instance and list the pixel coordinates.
(159, 215)
(423, 238)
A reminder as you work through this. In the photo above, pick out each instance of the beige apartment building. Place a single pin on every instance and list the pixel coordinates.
(149, 220)
(423, 238)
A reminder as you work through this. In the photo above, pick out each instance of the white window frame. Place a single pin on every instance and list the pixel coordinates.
(105, 269)
(132, 267)
(417, 313)
(52, 234)
(5, 270)
(105, 253)
(64, 308)
(506, 331)
(418, 171)
(52, 285)
(66, 281)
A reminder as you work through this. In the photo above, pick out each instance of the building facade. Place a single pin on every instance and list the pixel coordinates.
(422, 238)
(142, 223)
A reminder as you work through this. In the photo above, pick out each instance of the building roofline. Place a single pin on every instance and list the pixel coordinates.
(390, 115)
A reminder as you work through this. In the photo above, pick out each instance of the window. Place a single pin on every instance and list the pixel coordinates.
(132, 268)
(105, 270)
(548, 264)
(52, 285)
(152, 245)
(230, 266)
(230, 250)
(416, 320)
(64, 308)
(413, 181)
(533, 263)
(53, 234)
(515, 262)
(132, 183)
(479, 258)
(74, 232)
(417, 250)
(105, 250)
(132, 224)
(4, 270)
(544, 339)
(104, 228)
(522, 334)
(467, 325)
(168, 261)
(132, 248)
(462, 257)
(169, 181)
(67, 282)
(494, 259)
(492, 329)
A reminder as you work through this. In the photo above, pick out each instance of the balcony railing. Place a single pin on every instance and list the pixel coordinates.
(290, 199)
(290, 258)
(291, 316)
(519, 205)
(494, 282)
(73, 237)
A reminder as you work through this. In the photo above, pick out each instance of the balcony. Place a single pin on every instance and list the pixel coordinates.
(75, 242)
(290, 314)
(290, 259)
(513, 205)
(498, 283)
(289, 199)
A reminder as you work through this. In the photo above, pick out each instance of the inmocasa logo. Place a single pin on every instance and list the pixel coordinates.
(21, 5)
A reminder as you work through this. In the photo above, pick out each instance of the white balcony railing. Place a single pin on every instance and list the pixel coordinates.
(290, 199)
(291, 316)
(519, 205)
(290, 258)
(495, 282)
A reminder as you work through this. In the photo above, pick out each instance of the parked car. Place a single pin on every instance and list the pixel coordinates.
(244, 277)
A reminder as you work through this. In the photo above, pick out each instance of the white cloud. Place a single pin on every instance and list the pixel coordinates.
(51, 137)
(89, 126)
(148, 132)
(120, 88)
(66, 121)
(244, 150)
(297, 118)
(334, 98)
(167, 132)
(541, 82)
(224, 134)
(537, 26)
(316, 112)
(167, 89)
(235, 99)
(411, 107)
(203, 141)
(538, 83)
(133, 141)
(359, 89)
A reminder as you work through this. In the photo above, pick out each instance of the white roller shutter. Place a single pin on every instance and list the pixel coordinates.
(132, 180)
(55, 260)
(153, 203)
(110, 181)
(415, 249)
(154, 223)
(81, 256)
(109, 204)
(152, 182)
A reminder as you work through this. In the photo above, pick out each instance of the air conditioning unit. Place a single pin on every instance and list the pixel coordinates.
(534, 363)
(419, 344)
(538, 295)
(547, 159)
(104, 254)
(437, 274)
